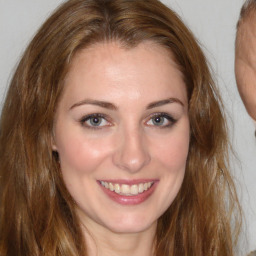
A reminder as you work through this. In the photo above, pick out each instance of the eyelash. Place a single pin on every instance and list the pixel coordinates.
(86, 118)
(170, 119)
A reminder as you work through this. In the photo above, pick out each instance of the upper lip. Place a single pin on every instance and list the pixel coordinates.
(128, 181)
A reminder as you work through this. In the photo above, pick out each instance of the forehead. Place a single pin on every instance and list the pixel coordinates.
(107, 69)
(110, 49)
(246, 38)
(109, 55)
(247, 25)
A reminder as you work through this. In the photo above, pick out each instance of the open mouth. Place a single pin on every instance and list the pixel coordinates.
(125, 189)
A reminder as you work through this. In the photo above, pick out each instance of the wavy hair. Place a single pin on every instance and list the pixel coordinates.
(37, 214)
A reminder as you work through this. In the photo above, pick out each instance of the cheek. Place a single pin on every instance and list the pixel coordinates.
(79, 154)
(174, 151)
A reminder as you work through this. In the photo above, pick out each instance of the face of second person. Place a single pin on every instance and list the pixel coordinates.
(245, 65)
(122, 134)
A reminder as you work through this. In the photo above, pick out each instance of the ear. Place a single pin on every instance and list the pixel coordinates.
(53, 144)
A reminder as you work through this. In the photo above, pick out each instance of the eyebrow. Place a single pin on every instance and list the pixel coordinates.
(108, 105)
(164, 102)
(99, 103)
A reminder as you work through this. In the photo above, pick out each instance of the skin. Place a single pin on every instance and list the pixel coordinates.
(128, 145)
(245, 63)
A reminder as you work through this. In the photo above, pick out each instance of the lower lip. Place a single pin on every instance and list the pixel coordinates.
(130, 200)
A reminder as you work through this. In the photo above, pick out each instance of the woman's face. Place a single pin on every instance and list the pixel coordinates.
(122, 134)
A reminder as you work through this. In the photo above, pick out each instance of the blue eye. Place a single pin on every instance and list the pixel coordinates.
(161, 119)
(94, 121)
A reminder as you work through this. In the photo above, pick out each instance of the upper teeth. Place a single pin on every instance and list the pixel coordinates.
(125, 189)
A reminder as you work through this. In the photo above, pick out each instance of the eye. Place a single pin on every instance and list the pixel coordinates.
(94, 121)
(161, 119)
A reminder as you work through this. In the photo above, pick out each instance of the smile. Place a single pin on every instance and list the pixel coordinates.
(125, 189)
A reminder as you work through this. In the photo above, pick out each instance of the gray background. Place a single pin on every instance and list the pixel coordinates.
(213, 23)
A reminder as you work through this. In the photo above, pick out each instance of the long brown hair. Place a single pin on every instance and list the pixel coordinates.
(37, 215)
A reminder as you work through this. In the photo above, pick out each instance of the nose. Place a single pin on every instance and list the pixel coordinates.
(132, 153)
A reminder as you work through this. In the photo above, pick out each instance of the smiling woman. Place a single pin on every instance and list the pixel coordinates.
(113, 140)
(113, 146)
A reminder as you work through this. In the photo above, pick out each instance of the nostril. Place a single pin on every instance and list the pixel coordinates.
(132, 152)
(131, 160)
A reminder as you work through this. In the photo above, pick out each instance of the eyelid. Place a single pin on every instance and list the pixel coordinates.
(85, 118)
(169, 117)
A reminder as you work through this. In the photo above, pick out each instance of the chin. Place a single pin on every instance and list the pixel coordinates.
(131, 225)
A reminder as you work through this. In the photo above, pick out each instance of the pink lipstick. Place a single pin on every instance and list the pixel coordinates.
(128, 192)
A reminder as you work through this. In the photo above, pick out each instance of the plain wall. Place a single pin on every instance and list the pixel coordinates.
(213, 23)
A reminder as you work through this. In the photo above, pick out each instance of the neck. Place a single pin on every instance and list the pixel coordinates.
(103, 242)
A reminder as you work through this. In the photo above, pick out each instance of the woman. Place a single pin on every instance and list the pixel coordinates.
(113, 139)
